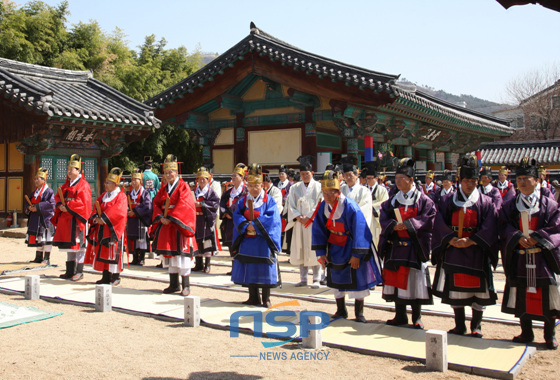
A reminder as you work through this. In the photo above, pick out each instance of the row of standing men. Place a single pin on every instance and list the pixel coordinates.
(463, 245)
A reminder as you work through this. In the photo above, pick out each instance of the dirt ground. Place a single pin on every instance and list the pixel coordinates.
(84, 344)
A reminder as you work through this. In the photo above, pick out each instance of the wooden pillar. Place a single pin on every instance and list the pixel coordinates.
(102, 173)
(409, 152)
(431, 159)
(30, 167)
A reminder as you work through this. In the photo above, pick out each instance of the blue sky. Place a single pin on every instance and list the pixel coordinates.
(472, 47)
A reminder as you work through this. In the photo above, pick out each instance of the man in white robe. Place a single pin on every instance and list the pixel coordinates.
(353, 190)
(303, 200)
(379, 194)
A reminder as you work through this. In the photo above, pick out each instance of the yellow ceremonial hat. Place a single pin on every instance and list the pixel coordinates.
(430, 174)
(203, 172)
(170, 163)
(504, 170)
(136, 173)
(330, 180)
(240, 169)
(43, 173)
(255, 174)
(115, 175)
(75, 161)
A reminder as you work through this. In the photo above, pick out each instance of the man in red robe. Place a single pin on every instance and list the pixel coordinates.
(106, 232)
(73, 208)
(174, 217)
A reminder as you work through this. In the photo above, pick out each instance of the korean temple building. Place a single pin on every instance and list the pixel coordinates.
(267, 101)
(48, 114)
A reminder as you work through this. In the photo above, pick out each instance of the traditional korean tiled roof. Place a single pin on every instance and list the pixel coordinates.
(454, 115)
(408, 100)
(286, 55)
(70, 94)
(512, 152)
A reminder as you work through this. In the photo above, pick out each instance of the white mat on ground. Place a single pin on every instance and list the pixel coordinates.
(484, 357)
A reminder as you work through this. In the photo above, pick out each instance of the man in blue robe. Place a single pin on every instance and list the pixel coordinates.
(256, 240)
(343, 243)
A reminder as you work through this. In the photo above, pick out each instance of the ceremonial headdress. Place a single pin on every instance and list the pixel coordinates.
(170, 163)
(240, 169)
(348, 164)
(448, 175)
(504, 170)
(115, 175)
(203, 172)
(136, 174)
(43, 173)
(370, 168)
(430, 174)
(406, 167)
(527, 167)
(255, 174)
(75, 162)
(486, 170)
(468, 167)
(542, 170)
(148, 162)
(283, 169)
(305, 163)
(330, 180)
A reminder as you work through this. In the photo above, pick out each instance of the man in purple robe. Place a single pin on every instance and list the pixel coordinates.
(447, 182)
(139, 218)
(228, 203)
(40, 230)
(207, 202)
(530, 237)
(505, 186)
(465, 233)
(488, 189)
(407, 221)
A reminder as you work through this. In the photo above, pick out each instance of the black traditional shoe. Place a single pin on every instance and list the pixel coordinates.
(523, 339)
(70, 270)
(115, 279)
(457, 331)
(173, 284)
(106, 279)
(341, 311)
(418, 325)
(38, 257)
(185, 281)
(79, 272)
(552, 344)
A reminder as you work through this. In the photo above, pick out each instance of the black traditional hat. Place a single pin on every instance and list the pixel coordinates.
(486, 170)
(148, 162)
(348, 164)
(297, 177)
(266, 176)
(370, 168)
(448, 175)
(468, 167)
(406, 167)
(305, 163)
(528, 167)
(330, 166)
(210, 167)
(291, 173)
(283, 169)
